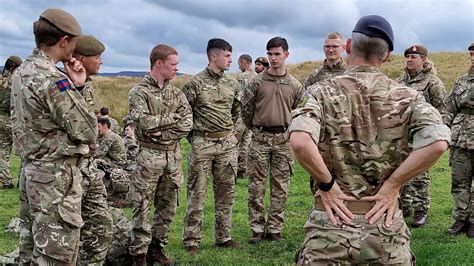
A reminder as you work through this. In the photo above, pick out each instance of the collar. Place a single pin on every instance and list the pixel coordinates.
(213, 74)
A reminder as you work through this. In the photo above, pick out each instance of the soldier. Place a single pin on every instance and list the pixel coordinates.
(97, 230)
(52, 129)
(261, 63)
(162, 117)
(214, 97)
(266, 110)
(111, 159)
(131, 146)
(420, 75)
(243, 134)
(362, 136)
(5, 125)
(104, 112)
(460, 107)
(332, 66)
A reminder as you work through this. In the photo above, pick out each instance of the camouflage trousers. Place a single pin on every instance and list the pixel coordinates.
(218, 157)
(360, 243)
(50, 211)
(415, 194)
(96, 233)
(244, 136)
(5, 149)
(269, 153)
(157, 180)
(462, 186)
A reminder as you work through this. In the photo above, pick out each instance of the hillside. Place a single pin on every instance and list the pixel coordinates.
(112, 91)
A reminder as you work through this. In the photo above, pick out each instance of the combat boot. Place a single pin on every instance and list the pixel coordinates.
(256, 238)
(228, 244)
(273, 236)
(420, 218)
(458, 227)
(192, 250)
(139, 260)
(406, 212)
(470, 230)
(8, 185)
(157, 254)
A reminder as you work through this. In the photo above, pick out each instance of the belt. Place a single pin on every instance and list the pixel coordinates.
(157, 146)
(467, 111)
(356, 207)
(279, 129)
(219, 134)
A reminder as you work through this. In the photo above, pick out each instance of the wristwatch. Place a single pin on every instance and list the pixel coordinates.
(327, 186)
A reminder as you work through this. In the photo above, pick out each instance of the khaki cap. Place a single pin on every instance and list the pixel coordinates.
(416, 49)
(15, 59)
(471, 47)
(88, 45)
(63, 20)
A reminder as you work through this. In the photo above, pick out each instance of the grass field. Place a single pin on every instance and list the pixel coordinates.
(431, 245)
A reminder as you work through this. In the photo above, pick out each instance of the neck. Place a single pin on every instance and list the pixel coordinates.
(52, 52)
(413, 72)
(354, 61)
(332, 62)
(215, 69)
(158, 78)
(277, 71)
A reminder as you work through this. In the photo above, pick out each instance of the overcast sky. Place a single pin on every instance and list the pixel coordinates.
(130, 28)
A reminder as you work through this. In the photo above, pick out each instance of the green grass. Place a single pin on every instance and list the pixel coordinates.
(431, 245)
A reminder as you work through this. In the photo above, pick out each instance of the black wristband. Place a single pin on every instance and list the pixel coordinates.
(327, 186)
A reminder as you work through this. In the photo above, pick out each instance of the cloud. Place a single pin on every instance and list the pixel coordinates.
(130, 29)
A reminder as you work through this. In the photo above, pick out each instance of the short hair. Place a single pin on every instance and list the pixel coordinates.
(245, 57)
(367, 47)
(161, 52)
(104, 111)
(104, 121)
(276, 42)
(130, 125)
(46, 34)
(216, 43)
(334, 35)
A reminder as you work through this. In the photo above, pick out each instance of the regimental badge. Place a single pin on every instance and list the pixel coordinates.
(414, 49)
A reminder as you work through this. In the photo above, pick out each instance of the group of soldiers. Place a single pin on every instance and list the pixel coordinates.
(360, 135)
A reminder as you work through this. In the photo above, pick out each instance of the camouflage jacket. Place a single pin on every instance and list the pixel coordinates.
(286, 91)
(429, 84)
(154, 109)
(460, 107)
(245, 77)
(89, 95)
(365, 125)
(324, 72)
(131, 145)
(214, 99)
(50, 118)
(112, 150)
(5, 93)
(114, 125)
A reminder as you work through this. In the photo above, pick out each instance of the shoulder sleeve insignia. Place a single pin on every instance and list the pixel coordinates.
(63, 85)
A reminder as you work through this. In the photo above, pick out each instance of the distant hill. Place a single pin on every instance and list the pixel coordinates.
(118, 74)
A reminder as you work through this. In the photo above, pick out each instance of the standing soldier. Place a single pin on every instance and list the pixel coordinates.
(53, 130)
(214, 97)
(420, 75)
(243, 134)
(5, 125)
(131, 146)
(460, 107)
(352, 133)
(96, 233)
(266, 109)
(332, 66)
(162, 117)
(261, 63)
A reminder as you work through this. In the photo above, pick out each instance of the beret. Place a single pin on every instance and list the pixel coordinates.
(471, 47)
(63, 20)
(15, 59)
(416, 49)
(88, 45)
(262, 60)
(375, 26)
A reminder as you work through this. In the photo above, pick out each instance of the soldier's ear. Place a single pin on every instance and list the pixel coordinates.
(348, 46)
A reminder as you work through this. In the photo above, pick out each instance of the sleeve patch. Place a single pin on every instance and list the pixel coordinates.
(303, 101)
(63, 85)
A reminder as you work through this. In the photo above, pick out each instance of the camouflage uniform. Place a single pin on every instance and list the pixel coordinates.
(96, 233)
(131, 146)
(270, 151)
(460, 107)
(416, 193)
(114, 125)
(242, 133)
(52, 129)
(324, 72)
(321, 73)
(5, 129)
(361, 147)
(215, 102)
(158, 176)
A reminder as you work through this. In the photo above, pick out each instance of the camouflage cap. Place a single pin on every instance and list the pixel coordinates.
(63, 20)
(416, 49)
(15, 59)
(262, 60)
(375, 26)
(471, 47)
(88, 45)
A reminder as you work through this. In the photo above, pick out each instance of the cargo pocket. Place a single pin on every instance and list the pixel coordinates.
(395, 241)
